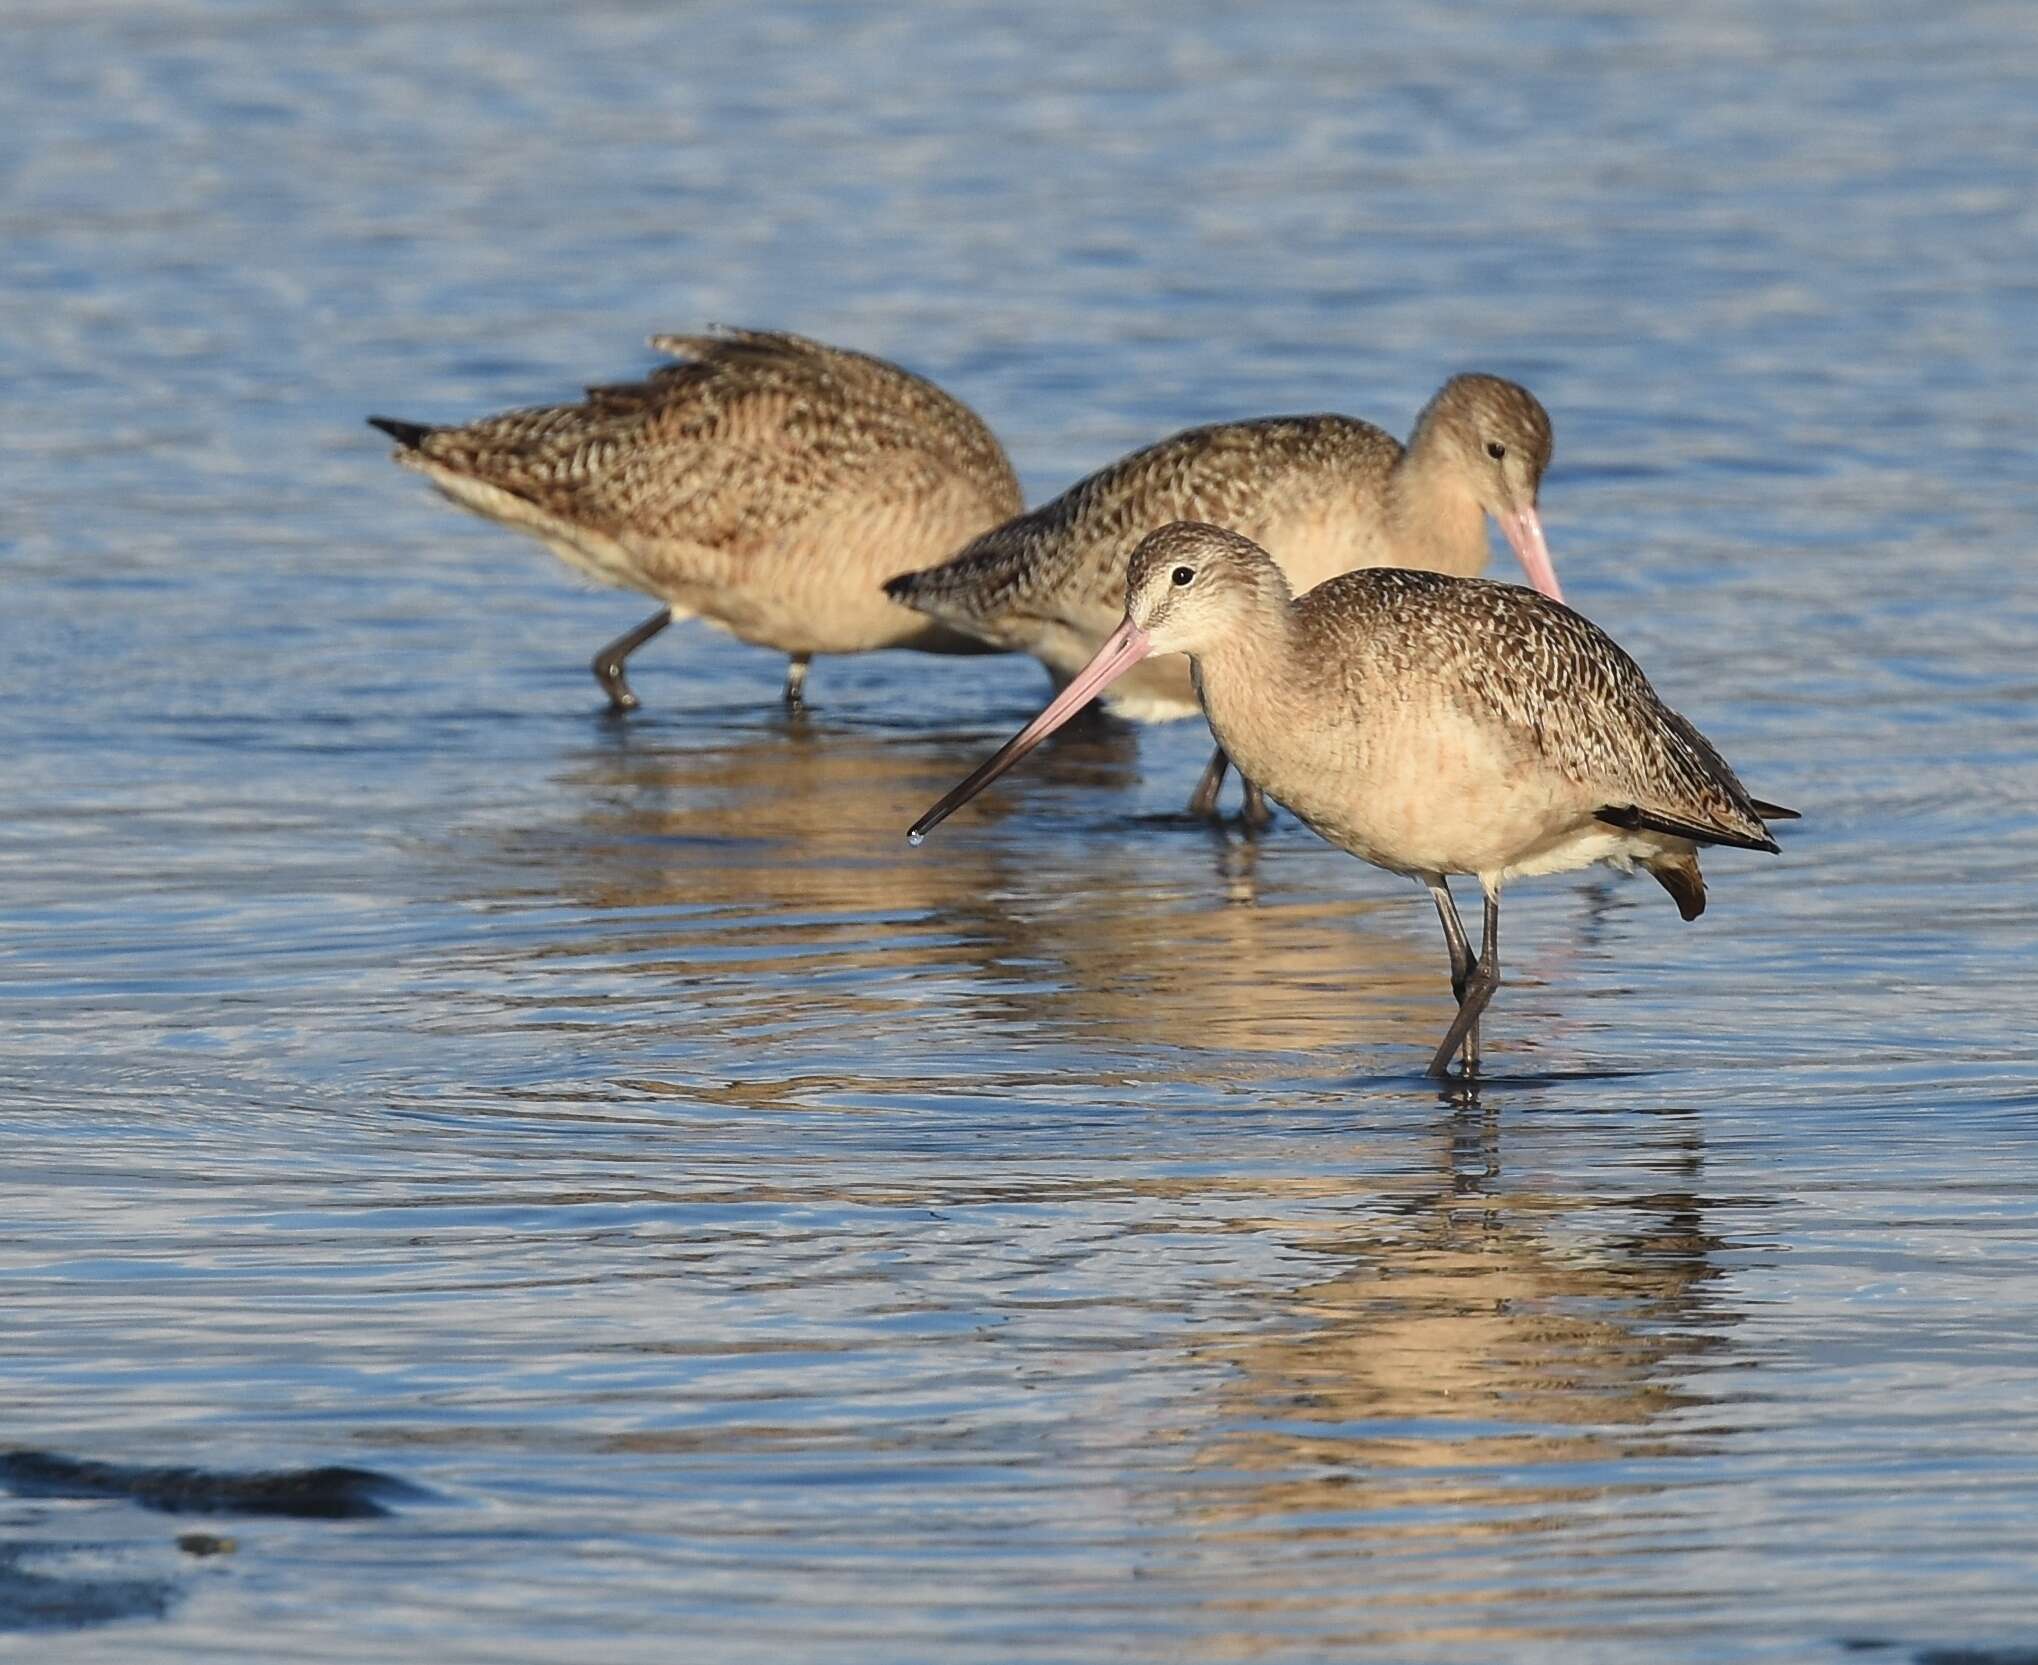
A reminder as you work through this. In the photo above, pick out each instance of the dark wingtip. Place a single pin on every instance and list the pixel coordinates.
(1633, 816)
(1774, 812)
(410, 435)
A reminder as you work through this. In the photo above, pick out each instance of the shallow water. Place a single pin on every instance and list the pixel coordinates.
(764, 1241)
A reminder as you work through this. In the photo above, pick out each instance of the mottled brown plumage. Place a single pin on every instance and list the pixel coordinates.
(766, 483)
(1507, 658)
(1324, 494)
(1430, 725)
(1063, 564)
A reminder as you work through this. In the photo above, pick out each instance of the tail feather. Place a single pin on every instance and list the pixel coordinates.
(935, 592)
(970, 589)
(1680, 876)
(410, 435)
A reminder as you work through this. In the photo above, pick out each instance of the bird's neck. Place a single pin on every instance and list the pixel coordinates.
(1247, 682)
(1433, 522)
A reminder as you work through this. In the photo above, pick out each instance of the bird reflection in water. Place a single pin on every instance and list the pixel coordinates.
(763, 878)
(1474, 1358)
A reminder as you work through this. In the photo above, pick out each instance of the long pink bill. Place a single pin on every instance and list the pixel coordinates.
(1524, 533)
(1127, 646)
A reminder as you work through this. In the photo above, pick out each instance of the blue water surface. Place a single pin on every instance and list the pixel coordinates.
(764, 1242)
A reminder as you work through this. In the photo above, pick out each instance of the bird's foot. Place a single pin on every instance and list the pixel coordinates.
(796, 685)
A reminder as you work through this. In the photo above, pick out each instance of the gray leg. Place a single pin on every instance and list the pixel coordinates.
(1479, 989)
(1203, 801)
(608, 664)
(1255, 813)
(1454, 933)
(796, 682)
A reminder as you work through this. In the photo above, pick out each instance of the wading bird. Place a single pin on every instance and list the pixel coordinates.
(766, 483)
(1324, 494)
(1429, 725)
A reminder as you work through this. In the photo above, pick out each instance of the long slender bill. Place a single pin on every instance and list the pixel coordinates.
(1524, 533)
(1127, 646)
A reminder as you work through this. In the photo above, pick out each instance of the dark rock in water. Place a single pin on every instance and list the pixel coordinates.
(32, 1600)
(333, 1493)
(205, 1543)
(1979, 1656)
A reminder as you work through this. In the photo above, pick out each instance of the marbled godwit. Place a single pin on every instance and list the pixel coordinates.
(767, 483)
(1324, 493)
(1429, 725)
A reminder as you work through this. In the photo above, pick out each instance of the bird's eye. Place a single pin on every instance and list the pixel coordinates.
(1184, 574)
(1495, 449)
